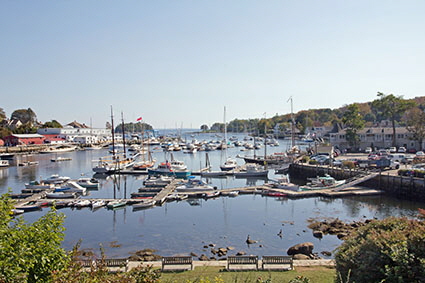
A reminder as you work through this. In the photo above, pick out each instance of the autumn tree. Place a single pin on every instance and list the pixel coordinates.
(353, 122)
(391, 107)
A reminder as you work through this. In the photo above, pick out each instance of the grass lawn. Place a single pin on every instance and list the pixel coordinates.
(316, 274)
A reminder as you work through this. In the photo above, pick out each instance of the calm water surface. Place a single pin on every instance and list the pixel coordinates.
(182, 227)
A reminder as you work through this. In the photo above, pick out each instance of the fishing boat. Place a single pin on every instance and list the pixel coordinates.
(116, 204)
(194, 185)
(252, 170)
(325, 182)
(284, 184)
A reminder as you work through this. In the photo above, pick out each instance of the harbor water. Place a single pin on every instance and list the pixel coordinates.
(187, 226)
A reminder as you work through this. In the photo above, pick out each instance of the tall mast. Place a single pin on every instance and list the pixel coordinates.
(225, 128)
(123, 134)
(292, 124)
(113, 133)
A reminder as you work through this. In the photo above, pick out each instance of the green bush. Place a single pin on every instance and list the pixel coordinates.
(348, 164)
(313, 162)
(390, 250)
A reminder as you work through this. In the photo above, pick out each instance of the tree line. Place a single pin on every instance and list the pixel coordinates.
(408, 113)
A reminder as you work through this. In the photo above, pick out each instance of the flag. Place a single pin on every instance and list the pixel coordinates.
(139, 119)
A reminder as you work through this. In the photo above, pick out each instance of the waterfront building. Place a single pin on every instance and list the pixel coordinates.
(24, 139)
(79, 135)
(376, 137)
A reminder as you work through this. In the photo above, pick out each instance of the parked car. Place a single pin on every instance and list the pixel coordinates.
(420, 153)
(383, 151)
(393, 149)
(396, 157)
(402, 149)
(368, 150)
(408, 159)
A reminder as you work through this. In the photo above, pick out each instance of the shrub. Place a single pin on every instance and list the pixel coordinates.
(313, 162)
(389, 250)
(348, 164)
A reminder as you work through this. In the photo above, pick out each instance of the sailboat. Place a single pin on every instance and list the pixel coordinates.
(116, 162)
(230, 163)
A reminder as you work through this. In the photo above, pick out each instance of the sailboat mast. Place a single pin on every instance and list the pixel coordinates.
(225, 128)
(123, 134)
(113, 133)
(292, 124)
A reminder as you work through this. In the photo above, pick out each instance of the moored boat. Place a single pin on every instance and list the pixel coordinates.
(143, 204)
(89, 183)
(325, 182)
(252, 170)
(194, 185)
(116, 204)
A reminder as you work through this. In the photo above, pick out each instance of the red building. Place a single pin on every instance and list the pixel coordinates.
(26, 139)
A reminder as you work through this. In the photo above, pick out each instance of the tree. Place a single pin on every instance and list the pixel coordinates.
(391, 107)
(25, 116)
(353, 122)
(30, 252)
(2, 115)
(52, 124)
(204, 128)
(389, 250)
(416, 125)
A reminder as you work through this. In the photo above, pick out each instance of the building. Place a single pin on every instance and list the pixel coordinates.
(54, 139)
(25, 139)
(376, 137)
(70, 134)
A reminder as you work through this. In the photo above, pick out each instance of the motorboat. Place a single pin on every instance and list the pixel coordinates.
(143, 165)
(29, 206)
(97, 204)
(60, 158)
(4, 163)
(56, 179)
(230, 193)
(35, 185)
(143, 204)
(112, 164)
(194, 185)
(284, 184)
(270, 193)
(212, 194)
(59, 149)
(160, 181)
(213, 174)
(89, 183)
(252, 170)
(178, 165)
(71, 187)
(165, 169)
(60, 195)
(27, 163)
(325, 182)
(230, 164)
(116, 204)
(82, 203)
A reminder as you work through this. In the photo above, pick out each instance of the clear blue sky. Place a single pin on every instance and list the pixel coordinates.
(179, 63)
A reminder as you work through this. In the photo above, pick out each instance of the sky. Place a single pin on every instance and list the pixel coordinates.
(177, 64)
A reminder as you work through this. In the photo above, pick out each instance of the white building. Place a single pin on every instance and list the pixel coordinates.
(376, 137)
(78, 135)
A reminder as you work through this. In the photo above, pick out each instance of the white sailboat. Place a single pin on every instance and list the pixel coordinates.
(230, 163)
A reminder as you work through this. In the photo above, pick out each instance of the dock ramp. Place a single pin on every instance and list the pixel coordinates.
(356, 180)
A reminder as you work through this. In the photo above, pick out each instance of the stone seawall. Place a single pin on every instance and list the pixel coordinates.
(388, 181)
